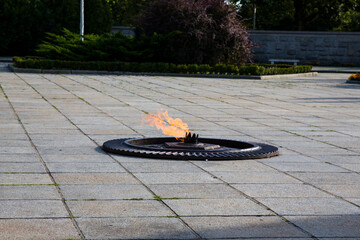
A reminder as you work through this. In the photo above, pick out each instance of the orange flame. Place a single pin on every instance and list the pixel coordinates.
(168, 125)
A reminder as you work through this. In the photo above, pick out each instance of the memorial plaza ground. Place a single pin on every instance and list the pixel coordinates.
(57, 183)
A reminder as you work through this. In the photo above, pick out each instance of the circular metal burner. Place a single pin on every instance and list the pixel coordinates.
(204, 149)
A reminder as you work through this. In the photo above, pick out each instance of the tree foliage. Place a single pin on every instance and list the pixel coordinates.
(311, 15)
(211, 31)
(125, 11)
(23, 23)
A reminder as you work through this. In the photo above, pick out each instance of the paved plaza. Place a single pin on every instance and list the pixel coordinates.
(57, 183)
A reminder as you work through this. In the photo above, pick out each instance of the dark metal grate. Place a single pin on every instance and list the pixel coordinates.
(201, 149)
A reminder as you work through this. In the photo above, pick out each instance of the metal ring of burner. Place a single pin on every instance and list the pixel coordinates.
(230, 149)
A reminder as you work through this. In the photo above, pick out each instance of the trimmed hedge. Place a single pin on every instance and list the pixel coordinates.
(158, 67)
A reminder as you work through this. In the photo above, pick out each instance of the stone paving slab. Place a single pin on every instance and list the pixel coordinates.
(28, 192)
(244, 227)
(24, 178)
(57, 183)
(310, 206)
(135, 228)
(213, 207)
(39, 229)
(119, 208)
(94, 178)
(281, 190)
(329, 226)
(105, 191)
(195, 190)
(32, 209)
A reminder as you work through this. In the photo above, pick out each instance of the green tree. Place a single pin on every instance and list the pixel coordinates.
(317, 15)
(350, 16)
(23, 23)
(125, 11)
(270, 15)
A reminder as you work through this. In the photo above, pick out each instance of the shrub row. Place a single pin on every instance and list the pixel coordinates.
(156, 67)
(105, 47)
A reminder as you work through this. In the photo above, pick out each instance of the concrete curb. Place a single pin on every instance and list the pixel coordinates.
(65, 71)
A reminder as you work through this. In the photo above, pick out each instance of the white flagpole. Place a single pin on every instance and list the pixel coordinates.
(82, 20)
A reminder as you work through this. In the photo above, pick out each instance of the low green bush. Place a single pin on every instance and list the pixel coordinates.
(105, 47)
(156, 67)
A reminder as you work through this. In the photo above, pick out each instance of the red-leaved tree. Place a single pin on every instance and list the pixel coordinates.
(211, 32)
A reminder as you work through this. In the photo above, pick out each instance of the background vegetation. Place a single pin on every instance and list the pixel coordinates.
(105, 47)
(211, 33)
(160, 67)
(23, 23)
(304, 15)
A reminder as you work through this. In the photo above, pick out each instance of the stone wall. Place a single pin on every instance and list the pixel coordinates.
(128, 31)
(327, 48)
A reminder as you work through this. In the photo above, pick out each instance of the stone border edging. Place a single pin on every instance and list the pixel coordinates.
(64, 71)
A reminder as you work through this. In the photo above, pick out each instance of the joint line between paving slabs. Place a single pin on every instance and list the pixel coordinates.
(250, 120)
(309, 184)
(256, 201)
(176, 215)
(88, 102)
(248, 197)
(71, 216)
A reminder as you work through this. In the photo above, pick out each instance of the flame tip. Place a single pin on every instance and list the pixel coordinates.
(168, 125)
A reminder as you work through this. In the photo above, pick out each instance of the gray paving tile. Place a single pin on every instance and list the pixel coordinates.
(16, 150)
(255, 177)
(351, 166)
(241, 166)
(13, 136)
(329, 226)
(306, 167)
(213, 207)
(40, 229)
(92, 167)
(230, 111)
(70, 151)
(174, 178)
(134, 228)
(350, 191)
(94, 178)
(29, 192)
(15, 143)
(310, 206)
(242, 227)
(25, 178)
(340, 159)
(266, 238)
(105, 191)
(290, 159)
(116, 208)
(280, 190)
(354, 200)
(161, 167)
(25, 167)
(77, 158)
(328, 178)
(14, 158)
(214, 191)
(32, 209)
